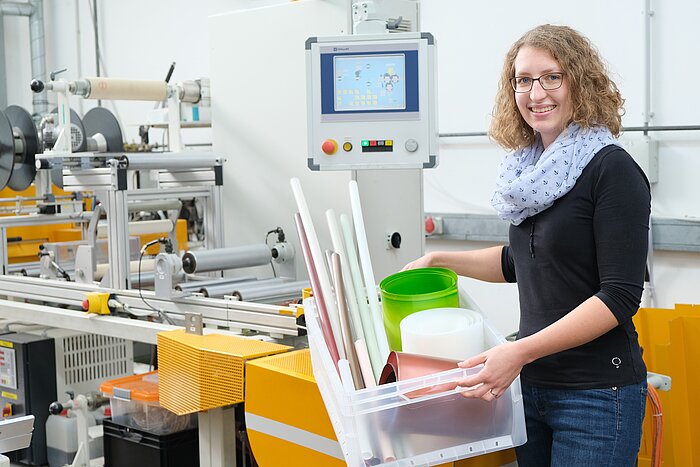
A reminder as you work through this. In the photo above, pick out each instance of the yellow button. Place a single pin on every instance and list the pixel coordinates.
(347, 146)
(388, 142)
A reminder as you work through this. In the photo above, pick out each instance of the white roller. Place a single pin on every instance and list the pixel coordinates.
(146, 266)
(127, 89)
(141, 228)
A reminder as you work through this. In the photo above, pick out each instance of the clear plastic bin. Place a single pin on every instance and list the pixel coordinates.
(383, 426)
(135, 403)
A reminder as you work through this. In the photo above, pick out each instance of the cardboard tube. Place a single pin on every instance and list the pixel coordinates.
(345, 322)
(127, 89)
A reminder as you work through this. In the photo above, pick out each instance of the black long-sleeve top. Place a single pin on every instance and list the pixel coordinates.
(592, 242)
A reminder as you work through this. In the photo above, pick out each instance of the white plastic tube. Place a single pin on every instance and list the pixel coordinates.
(377, 364)
(141, 227)
(320, 261)
(339, 247)
(367, 272)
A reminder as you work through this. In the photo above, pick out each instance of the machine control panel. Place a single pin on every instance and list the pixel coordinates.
(372, 102)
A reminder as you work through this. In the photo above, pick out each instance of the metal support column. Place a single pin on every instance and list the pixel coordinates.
(214, 227)
(217, 438)
(118, 236)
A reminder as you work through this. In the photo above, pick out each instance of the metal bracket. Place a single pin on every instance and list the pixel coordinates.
(193, 323)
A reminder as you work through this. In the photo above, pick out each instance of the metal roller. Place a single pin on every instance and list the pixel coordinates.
(101, 126)
(198, 285)
(26, 147)
(170, 161)
(219, 290)
(226, 258)
(285, 289)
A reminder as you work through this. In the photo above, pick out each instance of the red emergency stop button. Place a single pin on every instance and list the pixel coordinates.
(329, 146)
(7, 410)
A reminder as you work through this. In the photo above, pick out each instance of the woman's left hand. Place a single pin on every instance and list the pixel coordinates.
(502, 364)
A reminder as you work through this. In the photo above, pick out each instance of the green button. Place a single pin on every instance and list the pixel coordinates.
(365, 142)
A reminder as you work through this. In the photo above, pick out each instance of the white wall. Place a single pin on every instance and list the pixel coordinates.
(140, 39)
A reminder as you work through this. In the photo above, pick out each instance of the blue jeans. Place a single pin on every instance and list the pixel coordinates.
(586, 428)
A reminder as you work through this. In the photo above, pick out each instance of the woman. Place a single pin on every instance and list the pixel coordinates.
(579, 210)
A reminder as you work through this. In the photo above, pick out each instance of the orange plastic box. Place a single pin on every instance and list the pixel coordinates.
(135, 403)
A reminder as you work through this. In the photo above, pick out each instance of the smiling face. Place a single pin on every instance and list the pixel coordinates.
(547, 112)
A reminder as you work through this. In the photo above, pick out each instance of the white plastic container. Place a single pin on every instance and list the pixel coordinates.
(383, 426)
(62, 440)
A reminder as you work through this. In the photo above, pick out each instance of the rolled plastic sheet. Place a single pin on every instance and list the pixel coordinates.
(367, 272)
(407, 292)
(170, 161)
(345, 325)
(141, 227)
(226, 258)
(326, 327)
(452, 333)
(319, 263)
(401, 366)
(127, 89)
(361, 296)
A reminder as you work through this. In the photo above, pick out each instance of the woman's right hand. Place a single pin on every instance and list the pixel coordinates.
(424, 261)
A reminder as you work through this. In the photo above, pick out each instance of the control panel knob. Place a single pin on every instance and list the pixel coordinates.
(411, 145)
(329, 146)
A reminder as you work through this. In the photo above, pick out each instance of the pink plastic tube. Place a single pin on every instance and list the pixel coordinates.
(318, 292)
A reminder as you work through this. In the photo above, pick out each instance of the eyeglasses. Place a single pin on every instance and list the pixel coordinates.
(549, 82)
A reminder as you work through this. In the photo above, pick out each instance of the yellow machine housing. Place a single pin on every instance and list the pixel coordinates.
(198, 373)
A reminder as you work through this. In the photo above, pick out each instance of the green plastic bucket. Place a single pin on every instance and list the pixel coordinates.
(407, 292)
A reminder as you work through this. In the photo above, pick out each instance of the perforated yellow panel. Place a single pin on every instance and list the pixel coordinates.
(199, 373)
(296, 364)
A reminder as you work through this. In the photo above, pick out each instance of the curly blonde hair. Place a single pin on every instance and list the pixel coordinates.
(595, 98)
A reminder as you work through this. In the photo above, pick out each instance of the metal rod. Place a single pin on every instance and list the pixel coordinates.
(284, 289)
(197, 285)
(230, 289)
(624, 129)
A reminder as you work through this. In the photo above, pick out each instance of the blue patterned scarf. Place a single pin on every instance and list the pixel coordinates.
(532, 178)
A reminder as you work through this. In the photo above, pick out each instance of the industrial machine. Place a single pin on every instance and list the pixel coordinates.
(125, 270)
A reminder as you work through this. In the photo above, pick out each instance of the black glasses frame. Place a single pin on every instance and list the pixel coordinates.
(514, 84)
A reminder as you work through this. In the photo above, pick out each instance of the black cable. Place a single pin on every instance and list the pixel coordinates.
(143, 251)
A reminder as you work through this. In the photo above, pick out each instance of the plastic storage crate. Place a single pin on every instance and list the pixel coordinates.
(383, 426)
(134, 401)
(129, 447)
